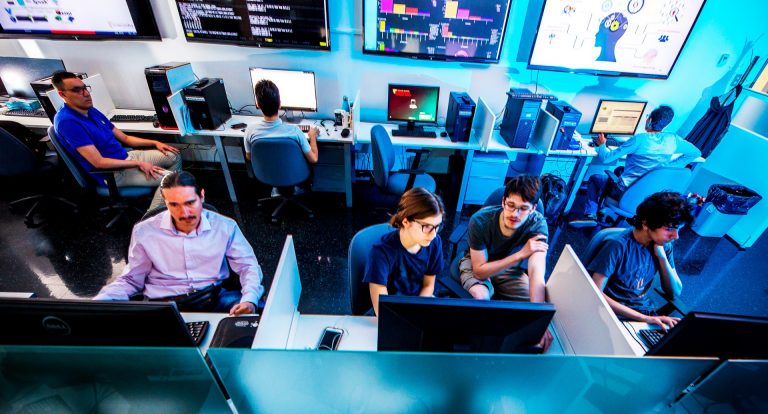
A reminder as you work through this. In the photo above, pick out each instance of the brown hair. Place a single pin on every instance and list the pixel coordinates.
(58, 79)
(417, 203)
(528, 187)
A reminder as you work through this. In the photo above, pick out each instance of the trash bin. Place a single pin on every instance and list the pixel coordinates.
(725, 205)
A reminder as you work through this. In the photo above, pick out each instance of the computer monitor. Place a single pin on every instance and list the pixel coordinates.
(16, 74)
(760, 83)
(297, 88)
(702, 334)
(92, 323)
(412, 104)
(408, 323)
(617, 117)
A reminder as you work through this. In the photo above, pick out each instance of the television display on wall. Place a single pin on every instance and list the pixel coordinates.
(295, 24)
(640, 38)
(464, 30)
(79, 19)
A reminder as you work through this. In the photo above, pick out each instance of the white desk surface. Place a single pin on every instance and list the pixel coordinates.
(363, 135)
(360, 332)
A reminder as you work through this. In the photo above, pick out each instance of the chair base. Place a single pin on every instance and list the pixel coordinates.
(40, 201)
(284, 201)
(122, 210)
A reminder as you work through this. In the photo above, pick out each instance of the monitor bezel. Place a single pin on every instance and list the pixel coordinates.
(285, 108)
(587, 71)
(597, 111)
(4, 89)
(151, 30)
(260, 44)
(440, 58)
(413, 121)
(763, 69)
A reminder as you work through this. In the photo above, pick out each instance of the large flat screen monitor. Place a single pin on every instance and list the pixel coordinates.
(297, 88)
(461, 325)
(466, 30)
(617, 117)
(16, 74)
(701, 334)
(79, 19)
(640, 38)
(296, 24)
(92, 323)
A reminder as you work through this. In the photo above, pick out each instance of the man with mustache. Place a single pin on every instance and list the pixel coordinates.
(183, 252)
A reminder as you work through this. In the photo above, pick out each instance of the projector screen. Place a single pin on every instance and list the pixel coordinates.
(640, 38)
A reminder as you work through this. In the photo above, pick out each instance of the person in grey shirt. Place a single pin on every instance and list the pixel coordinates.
(651, 149)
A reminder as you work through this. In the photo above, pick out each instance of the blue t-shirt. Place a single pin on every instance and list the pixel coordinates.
(76, 130)
(630, 268)
(402, 272)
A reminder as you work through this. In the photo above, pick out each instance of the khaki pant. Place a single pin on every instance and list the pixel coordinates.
(511, 283)
(134, 177)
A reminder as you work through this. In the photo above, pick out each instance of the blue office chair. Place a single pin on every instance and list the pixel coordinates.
(359, 248)
(115, 195)
(279, 162)
(593, 248)
(384, 159)
(18, 160)
(653, 181)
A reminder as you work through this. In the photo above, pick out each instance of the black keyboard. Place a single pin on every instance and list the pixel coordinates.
(30, 113)
(651, 336)
(413, 133)
(198, 330)
(133, 118)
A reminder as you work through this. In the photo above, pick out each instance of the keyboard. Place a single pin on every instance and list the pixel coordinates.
(133, 118)
(198, 330)
(30, 113)
(414, 133)
(304, 128)
(651, 336)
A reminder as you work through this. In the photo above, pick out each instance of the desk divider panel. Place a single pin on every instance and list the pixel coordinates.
(584, 321)
(280, 312)
(272, 381)
(735, 387)
(544, 132)
(483, 124)
(63, 379)
(355, 116)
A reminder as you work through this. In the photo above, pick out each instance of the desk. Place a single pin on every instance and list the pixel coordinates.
(212, 318)
(329, 138)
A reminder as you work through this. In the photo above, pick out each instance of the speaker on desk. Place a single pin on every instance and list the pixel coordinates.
(207, 102)
(163, 81)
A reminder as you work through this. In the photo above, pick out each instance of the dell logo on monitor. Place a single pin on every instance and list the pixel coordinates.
(56, 326)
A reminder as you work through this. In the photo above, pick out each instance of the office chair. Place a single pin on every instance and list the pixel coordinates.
(279, 162)
(17, 159)
(359, 248)
(384, 159)
(593, 248)
(115, 195)
(459, 238)
(653, 181)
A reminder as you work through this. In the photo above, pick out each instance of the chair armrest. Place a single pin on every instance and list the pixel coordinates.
(417, 150)
(458, 233)
(454, 287)
(673, 304)
(411, 171)
(612, 176)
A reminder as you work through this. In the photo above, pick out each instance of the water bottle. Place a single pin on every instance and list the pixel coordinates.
(344, 104)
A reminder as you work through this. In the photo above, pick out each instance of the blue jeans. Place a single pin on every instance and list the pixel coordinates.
(227, 299)
(595, 187)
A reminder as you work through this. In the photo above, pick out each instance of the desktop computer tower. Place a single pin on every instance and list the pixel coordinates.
(520, 116)
(41, 87)
(568, 118)
(207, 102)
(163, 81)
(461, 110)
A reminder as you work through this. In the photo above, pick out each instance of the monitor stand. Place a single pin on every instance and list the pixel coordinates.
(412, 130)
(290, 117)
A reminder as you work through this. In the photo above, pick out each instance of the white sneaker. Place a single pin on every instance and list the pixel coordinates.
(297, 190)
(275, 193)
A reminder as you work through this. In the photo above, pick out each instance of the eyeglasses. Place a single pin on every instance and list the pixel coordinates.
(429, 228)
(522, 209)
(80, 89)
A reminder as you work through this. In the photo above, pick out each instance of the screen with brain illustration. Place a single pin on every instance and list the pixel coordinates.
(613, 37)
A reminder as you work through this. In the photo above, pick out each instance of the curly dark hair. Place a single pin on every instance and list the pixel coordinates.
(528, 187)
(665, 208)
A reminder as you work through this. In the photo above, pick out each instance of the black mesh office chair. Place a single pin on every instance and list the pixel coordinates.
(18, 160)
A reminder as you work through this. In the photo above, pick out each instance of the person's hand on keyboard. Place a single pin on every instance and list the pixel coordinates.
(242, 308)
(313, 132)
(666, 322)
(600, 139)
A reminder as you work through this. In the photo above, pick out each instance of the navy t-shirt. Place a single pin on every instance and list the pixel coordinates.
(76, 130)
(389, 264)
(630, 268)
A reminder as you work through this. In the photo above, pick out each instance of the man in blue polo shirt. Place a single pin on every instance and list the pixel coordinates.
(96, 143)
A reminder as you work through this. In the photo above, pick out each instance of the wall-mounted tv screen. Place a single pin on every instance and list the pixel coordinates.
(640, 38)
(79, 19)
(464, 30)
(295, 24)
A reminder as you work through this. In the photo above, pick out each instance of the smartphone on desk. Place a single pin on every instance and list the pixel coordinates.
(329, 340)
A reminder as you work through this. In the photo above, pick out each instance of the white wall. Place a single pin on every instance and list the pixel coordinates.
(346, 69)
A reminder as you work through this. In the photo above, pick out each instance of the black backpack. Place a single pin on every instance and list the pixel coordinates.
(553, 196)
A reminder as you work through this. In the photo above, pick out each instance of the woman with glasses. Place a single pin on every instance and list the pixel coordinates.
(406, 260)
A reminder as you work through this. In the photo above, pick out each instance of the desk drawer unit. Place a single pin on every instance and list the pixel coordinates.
(487, 173)
(329, 171)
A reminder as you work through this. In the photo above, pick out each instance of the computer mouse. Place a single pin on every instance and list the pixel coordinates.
(345, 132)
(443, 134)
(156, 124)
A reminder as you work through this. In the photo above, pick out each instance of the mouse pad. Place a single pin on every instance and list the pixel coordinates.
(235, 332)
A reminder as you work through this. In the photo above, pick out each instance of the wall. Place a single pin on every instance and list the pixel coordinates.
(695, 78)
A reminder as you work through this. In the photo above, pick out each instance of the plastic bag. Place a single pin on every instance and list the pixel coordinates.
(732, 199)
